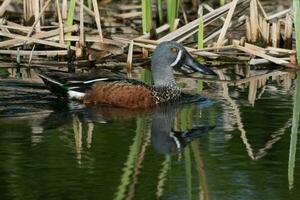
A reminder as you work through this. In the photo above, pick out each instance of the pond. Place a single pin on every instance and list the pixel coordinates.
(239, 142)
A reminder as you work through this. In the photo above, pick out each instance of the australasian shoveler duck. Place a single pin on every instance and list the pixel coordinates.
(128, 93)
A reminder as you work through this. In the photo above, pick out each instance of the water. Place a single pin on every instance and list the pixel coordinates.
(241, 146)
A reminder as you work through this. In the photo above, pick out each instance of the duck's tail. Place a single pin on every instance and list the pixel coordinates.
(54, 84)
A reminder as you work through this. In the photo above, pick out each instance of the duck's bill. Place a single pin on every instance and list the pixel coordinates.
(192, 64)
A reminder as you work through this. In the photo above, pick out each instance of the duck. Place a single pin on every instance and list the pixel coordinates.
(123, 92)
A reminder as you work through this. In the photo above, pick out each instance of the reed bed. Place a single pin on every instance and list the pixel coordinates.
(240, 30)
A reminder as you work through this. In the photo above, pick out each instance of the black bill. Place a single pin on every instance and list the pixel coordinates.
(192, 64)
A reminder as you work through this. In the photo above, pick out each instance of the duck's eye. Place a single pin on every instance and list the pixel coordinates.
(174, 50)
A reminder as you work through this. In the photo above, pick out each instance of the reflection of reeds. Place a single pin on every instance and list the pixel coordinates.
(162, 177)
(188, 171)
(77, 128)
(293, 143)
(203, 188)
(131, 159)
(138, 165)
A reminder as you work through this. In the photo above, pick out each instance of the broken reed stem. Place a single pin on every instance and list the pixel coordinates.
(97, 18)
(70, 16)
(253, 20)
(296, 5)
(36, 10)
(129, 59)
(64, 9)
(61, 26)
(288, 32)
(3, 7)
(226, 23)
(40, 35)
(38, 18)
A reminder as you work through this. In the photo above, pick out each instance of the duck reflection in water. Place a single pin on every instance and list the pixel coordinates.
(165, 139)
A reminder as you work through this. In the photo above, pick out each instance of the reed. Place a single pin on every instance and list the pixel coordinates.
(172, 12)
(200, 28)
(147, 15)
(222, 2)
(294, 133)
(160, 12)
(297, 27)
(70, 16)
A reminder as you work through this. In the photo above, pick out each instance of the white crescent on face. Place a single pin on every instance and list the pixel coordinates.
(178, 58)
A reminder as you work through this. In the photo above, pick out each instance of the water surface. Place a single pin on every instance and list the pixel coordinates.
(241, 147)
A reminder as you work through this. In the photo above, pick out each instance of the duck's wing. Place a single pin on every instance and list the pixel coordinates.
(72, 85)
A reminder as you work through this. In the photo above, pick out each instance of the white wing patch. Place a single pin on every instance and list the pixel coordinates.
(177, 59)
(95, 80)
(75, 95)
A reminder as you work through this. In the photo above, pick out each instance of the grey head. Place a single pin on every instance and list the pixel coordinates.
(169, 55)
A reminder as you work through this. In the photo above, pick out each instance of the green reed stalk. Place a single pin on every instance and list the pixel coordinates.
(295, 126)
(160, 12)
(222, 2)
(89, 2)
(172, 12)
(200, 29)
(297, 27)
(70, 16)
(146, 15)
(200, 45)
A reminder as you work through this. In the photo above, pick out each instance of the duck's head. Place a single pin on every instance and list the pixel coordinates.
(169, 55)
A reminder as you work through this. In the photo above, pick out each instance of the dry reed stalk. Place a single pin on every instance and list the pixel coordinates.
(34, 40)
(81, 26)
(259, 53)
(278, 15)
(61, 26)
(275, 33)
(265, 30)
(19, 28)
(35, 53)
(194, 24)
(129, 59)
(64, 12)
(253, 20)
(288, 31)
(226, 23)
(36, 10)
(3, 7)
(159, 30)
(262, 9)
(38, 18)
(41, 35)
(97, 19)
(248, 29)
(280, 50)
(210, 9)
(129, 15)
(183, 13)
(85, 8)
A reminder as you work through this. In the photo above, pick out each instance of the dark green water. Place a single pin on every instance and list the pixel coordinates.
(49, 150)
